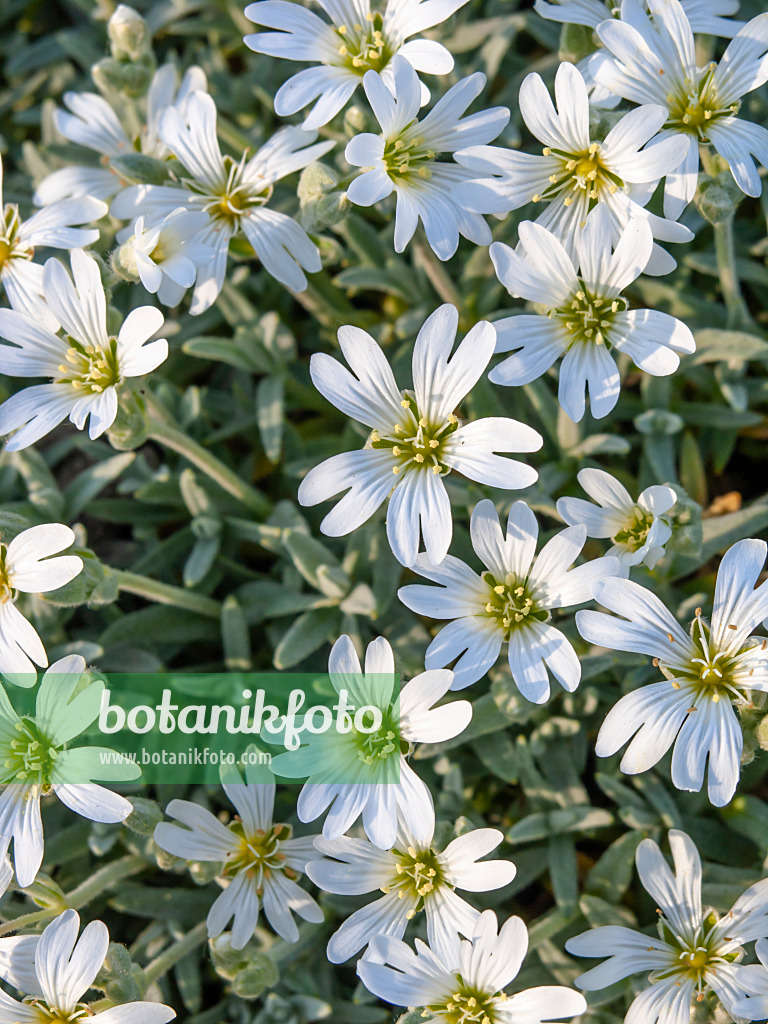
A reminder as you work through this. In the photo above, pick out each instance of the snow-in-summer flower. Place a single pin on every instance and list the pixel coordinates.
(510, 602)
(233, 193)
(587, 318)
(260, 861)
(710, 17)
(91, 121)
(576, 171)
(753, 981)
(26, 567)
(653, 60)
(405, 158)
(85, 364)
(357, 40)
(21, 278)
(706, 672)
(416, 437)
(414, 877)
(465, 984)
(638, 529)
(55, 970)
(166, 257)
(37, 760)
(366, 773)
(696, 949)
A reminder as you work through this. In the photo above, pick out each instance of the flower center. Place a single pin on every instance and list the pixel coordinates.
(416, 442)
(10, 248)
(90, 368)
(258, 853)
(30, 757)
(635, 531)
(511, 603)
(696, 106)
(697, 955)
(418, 873)
(588, 317)
(469, 1005)
(7, 593)
(53, 1015)
(363, 47)
(580, 174)
(406, 157)
(235, 197)
(378, 746)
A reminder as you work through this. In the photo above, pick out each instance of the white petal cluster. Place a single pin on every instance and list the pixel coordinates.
(712, 17)
(638, 529)
(466, 981)
(587, 318)
(696, 950)
(54, 971)
(366, 774)
(510, 602)
(405, 158)
(416, 437)
(85, 364)
(414, 877)
(232, 194)
(260, 861)
(37, 760)
(707, 673)
(26, 567)
(355, 40)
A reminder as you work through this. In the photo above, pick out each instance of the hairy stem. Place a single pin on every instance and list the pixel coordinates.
(163, 963)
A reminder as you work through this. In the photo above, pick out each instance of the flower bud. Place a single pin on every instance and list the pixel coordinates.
(354, 120)
(144, 817)
(123, 262)
(576, 42)
(761, 733)
(717, 198)
(129, 35)
(260, 974)
(658, 421)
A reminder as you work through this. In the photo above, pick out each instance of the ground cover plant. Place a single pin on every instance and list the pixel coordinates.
(425, 339)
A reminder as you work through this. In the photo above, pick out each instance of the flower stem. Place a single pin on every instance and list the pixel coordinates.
(437, 274)
(165, 593)
(163, 963)
(98, 883)
(213, 467)
(739, 316)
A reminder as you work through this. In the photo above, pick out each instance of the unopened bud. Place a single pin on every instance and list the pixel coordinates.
(123, 262)
(717, 198)
(658, 421)
(761, 733)
(129, 35)
(576, 42)
(354, 120)
(260, 974)
(144, 817)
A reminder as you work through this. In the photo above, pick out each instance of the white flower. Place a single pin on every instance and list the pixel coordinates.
(695, 950)
(234, 195)
(414, 877)
(167, 257)
(706, 672)
(260, 861)
(416, 436)
(53, 228)
(510, 602)
(37, 760)
(92, 122)
(56, 969)
(753, 980)
(467, 986)
(710, 17)
(587, 316)
(576, 172)
(638, 529)
(86, 365)
(27, 568)
(357, 40)
(404, 159)
(364, 772)
(653, 60)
